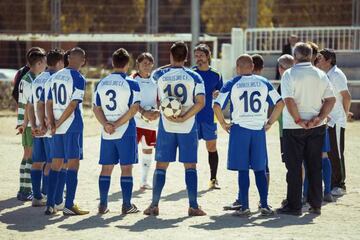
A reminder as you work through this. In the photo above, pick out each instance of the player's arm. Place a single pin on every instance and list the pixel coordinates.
(100, 116)
(279, 106)
(346, 101)
(220, 117)
(50, 115)
(67, 113)
(134, 108)
(149, 114)
(40, 109)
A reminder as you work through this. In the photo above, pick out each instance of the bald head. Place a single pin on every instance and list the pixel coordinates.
(244, 64)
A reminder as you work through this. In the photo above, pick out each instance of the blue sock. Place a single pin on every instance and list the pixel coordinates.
(191, 185)
(104, 185)
(158, 185)
(45, 184)
(326, 165)
(305, 184)
(59, 195)
(71, 184)
(239, 193)
(244, 183)
(36, 183)
(261, 184)
(53, 180)
(126, 184)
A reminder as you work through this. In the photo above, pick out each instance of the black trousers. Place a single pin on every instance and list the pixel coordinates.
(303, 145)
(336, 156)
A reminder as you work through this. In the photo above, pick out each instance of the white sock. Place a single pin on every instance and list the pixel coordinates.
(145, 167)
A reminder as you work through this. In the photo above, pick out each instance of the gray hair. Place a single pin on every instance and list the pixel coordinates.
(286, 61)
(302, 52)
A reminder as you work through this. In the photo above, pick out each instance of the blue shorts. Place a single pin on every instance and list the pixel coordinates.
(66, 146)
(247, 149)
(41, 150)
(81, 146)
(207, 131)
(123, 151)
(167, 144)
(326, 144)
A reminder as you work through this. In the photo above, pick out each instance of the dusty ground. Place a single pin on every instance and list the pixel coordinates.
(19, 220)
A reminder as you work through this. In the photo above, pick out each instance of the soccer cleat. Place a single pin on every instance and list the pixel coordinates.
(103, 209)
(213, 184)
(74, 210)
(130, 209)
(145, 187)
(38, 202)
(234, 206)
(60, 206)
(288, 211)
(50, 210)
(152, 211)
(328, 198)
(25, 197)
(315, 210)
(337, 191)
(259, 206)
(284, 202)
(266, 211)
(242, 213)
(194, 212)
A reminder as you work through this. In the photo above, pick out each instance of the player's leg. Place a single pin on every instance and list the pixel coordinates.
(148, 141)
(72, 154)
(59, 194)
(104, 186)
(128, 155)
(188, 146)
(25, 170)
(165, 153)
(39, 158)
(326, 169)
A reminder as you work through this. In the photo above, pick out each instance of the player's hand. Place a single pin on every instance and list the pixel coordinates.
(57, 124)
(43, 129)
(267, 126)
(226, 126)
(35, 131)
(303, 124)
(314, 122)
(151, 115)
(52, 128)
(20, 129)
(215, 94)
(109, 128)
(178, 119)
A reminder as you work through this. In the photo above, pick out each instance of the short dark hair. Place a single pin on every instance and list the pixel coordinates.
(66, 58)
(33, 49)
(329, 54)
(203, 48)
(143, 56)
(54, 56)
(314, 47)
(36, 57)
(179, 51)
(258, 62)
(120, 58)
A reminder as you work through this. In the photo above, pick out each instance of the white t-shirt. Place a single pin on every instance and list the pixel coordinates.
(308, 86)
(339, 82)
(250, 96)
(184, 84)
(148, 96)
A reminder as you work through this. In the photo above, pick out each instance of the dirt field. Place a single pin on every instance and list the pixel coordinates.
(19, 220)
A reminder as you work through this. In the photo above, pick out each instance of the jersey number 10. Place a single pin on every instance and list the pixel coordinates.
(59, 93)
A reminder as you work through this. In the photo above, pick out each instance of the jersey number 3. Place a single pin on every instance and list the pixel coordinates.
(112, 95)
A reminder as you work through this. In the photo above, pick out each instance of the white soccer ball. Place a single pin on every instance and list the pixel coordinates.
(170, 107)
(147, 108)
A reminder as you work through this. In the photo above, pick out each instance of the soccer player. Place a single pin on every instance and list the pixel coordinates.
(41, 147)
(37, 64)
(146, 118)
(65, 119)
(248, 94)
(180, 132)
(207, 128)
(116, 102)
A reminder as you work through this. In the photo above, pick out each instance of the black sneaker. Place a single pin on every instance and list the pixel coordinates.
(266, 211)
(233, 207)
(50, 210)
(242, 213)
(130, 209)
(316, 211)
(289, 211)
(328, 198)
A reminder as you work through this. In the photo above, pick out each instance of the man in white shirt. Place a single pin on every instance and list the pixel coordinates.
(309, 99)
(338, 117)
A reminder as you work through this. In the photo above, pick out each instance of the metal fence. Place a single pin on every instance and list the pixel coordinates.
(272, 40)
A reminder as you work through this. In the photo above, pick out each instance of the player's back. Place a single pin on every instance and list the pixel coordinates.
(67, 85)
(185, 85)
(115, 95)
(249, 95)
(38, 88)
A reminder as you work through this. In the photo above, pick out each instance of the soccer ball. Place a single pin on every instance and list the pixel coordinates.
(170, 107)
(147, 108)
